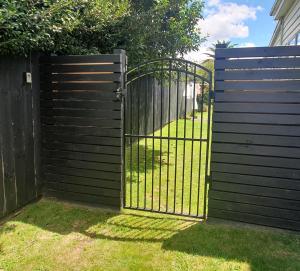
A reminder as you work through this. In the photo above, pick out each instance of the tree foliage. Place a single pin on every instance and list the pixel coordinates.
(145, 28)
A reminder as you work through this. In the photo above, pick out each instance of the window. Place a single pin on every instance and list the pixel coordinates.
(295, 40)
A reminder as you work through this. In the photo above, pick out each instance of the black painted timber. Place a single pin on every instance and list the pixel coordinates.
(255, 168)
(81, 128)
(20, 182)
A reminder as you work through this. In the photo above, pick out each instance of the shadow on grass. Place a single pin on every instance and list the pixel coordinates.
(261, 249)
(138, 164)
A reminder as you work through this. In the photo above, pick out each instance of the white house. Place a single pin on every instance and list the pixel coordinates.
(287, 15)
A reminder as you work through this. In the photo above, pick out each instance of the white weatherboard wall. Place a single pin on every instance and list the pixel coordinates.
(288, 26)
(291, 25)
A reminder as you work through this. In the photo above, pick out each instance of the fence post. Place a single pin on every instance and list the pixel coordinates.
(122, 96)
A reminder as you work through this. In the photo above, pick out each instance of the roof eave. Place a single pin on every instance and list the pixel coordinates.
(280, 8)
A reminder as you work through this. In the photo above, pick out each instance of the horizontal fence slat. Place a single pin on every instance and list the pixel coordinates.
(89, 113)
(259, 129)
(82, 147)
(79, 86)
(257, 190)
(258, 118)
(256, 170)
(256, 150)
(98, 191)
(82, 164)
(284, 85)
(258, 97)
(81, 59)
(52, 131)
(79, 95)
(56, 177)
(256, 210)
(287, 141)
(93, 157)
(111, 105)
(255, 219)
(245, 159)
(81, 121)
(88, 173)
(264, 63)
(68, 137)
(258, 52)
(81, 68)
(257, 74)
(258, 108)
(259, 200)
(258, 180)
(61, 77)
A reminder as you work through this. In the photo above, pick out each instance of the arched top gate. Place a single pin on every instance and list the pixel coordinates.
(166, 137)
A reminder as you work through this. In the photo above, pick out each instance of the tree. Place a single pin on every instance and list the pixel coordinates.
(209, 63)
(212, 49)
(147, 29)
(166, 28)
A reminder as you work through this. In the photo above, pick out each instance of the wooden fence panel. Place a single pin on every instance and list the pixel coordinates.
(256, 137)
(19, 133)
(81, 128)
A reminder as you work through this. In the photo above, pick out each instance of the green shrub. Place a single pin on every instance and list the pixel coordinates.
(145, 28)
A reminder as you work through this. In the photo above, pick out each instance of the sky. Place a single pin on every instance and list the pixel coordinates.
(244, 22)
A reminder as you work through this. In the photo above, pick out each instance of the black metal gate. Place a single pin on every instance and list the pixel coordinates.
(167, 115)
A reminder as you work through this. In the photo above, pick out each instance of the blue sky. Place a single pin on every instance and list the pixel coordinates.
(245, 22)
(261, 29)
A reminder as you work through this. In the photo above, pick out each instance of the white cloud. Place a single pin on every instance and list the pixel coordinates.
(224, 21)
(227, 21)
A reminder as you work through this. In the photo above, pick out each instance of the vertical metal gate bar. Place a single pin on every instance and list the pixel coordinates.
(161, 126)
(169, 120)
(138, 140)
(208, 145)
(184, 135)
(176, 143)
(124, 141)
(193, 133)
(153, 142)
(145, 133)
(131, 131)
(200, 151)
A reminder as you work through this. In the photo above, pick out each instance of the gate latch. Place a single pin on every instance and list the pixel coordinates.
(119, 94)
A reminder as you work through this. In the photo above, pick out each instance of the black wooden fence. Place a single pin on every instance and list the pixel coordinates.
(256, 137)
(256, 133)
(81, 127)
(19, 133)
(148, 90)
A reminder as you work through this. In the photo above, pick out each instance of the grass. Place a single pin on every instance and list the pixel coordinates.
(173, 189)
(49, 235)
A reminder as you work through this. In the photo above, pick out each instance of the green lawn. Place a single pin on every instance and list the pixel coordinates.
(56, 236)
(168, 184)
